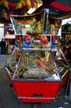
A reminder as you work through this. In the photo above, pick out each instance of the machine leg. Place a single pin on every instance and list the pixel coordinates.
(70, 90)
(36, 105)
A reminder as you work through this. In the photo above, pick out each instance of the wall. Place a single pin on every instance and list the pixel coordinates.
(1, 31)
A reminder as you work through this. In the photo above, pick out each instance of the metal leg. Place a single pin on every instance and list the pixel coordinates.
(36, 105)
(70, 85)
(70, 89)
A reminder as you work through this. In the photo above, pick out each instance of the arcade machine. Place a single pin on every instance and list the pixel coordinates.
(37, 73)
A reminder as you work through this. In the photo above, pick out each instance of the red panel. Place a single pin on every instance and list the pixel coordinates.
(36, 91)
(65, 79)
(60, 6)
(12, 4)
(28, 91)
(35, 100)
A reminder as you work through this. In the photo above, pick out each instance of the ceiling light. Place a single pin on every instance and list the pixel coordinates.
(31, 10)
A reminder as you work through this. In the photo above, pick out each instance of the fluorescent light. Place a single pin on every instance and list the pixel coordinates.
(64, 21)
(8, 36)
(40, 4)
(31, 10)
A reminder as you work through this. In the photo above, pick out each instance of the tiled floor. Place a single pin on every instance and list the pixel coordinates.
(9, 100)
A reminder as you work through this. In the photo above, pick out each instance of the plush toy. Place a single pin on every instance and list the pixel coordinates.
(27, 43)
(44, 42)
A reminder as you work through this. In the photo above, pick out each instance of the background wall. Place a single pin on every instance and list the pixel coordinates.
(1, 31)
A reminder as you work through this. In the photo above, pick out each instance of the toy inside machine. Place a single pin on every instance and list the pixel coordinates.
(36, 73)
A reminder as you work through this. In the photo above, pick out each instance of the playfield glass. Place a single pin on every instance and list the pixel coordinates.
(36, 64)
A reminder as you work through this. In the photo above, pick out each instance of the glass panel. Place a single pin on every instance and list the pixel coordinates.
(61, 62)
(11, 64)
(36, 64)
